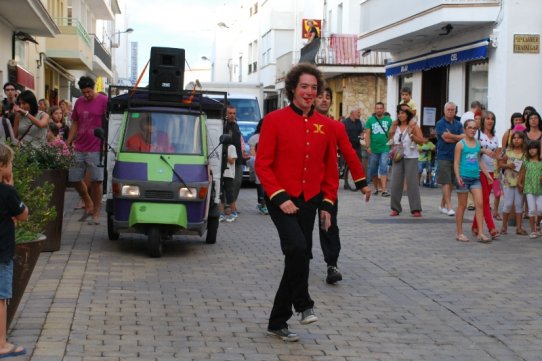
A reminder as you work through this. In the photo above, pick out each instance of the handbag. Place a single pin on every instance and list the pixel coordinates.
(397, 153)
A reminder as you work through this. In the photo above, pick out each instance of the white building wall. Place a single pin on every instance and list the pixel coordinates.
(5, 56)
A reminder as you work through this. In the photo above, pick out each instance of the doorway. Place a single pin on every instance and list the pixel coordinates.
(434, 94)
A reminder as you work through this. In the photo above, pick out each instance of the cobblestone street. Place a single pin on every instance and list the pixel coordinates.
(410, 292)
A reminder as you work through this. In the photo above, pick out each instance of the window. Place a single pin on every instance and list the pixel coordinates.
(266, 49)
(477, 82)
(163, 133)
(404, 81)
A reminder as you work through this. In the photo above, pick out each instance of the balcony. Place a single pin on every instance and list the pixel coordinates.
(73, 48)
(101, 62)
(102, 9)
(339, 54)
(386, 27)
(29, 16)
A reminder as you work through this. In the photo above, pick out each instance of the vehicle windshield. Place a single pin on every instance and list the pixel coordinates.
(247, 109)
(163, 133)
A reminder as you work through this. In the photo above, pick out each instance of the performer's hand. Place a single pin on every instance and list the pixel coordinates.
(289, 207)
(367, 191)
(325, 220)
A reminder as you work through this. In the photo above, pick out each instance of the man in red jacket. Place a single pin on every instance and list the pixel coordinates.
(330, 241)
(297, 166)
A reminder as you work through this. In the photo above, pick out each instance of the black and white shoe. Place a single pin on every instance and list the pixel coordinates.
(308, 316)
(284, 334)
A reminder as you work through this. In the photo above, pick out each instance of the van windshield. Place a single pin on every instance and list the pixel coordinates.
(163, 133)
(247, 109)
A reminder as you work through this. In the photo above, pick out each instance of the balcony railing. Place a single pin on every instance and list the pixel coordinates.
(340, 49)
(101, 52)
(376, 14)
(75, 25)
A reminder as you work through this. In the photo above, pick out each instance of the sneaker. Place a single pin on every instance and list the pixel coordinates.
(333, 275)
(308, 316)
(265, 211)
(375, 192)
(443, 210)
(230, 218)
(450, 212)
(222, 217)
(235, 214)
(284, 334)
(260, 208)
(385, 194)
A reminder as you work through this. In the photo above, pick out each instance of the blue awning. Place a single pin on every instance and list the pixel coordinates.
(435, 59)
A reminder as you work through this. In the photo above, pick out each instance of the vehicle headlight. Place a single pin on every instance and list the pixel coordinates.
(188, 192)
(129, 191)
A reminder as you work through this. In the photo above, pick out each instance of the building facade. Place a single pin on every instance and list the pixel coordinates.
(460, 51)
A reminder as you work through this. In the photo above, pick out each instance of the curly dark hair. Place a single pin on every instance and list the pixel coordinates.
(292, 78)
(86, 82)
(528, 124)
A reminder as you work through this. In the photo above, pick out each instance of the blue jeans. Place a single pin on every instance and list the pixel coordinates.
(6, 279)
(378, 164)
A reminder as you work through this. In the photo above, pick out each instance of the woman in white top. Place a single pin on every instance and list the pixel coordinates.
(406, 135)
(489, 144)
(30, 124)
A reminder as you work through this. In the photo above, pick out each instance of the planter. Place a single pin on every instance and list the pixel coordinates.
(53, 230)
(26, 257)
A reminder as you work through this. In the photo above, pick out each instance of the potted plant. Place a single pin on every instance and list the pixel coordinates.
(28, 234)
(52, 166)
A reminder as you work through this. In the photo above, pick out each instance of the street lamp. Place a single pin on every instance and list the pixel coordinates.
(117, 33)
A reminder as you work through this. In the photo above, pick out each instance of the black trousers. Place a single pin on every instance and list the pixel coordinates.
(295, 233)
(330, 240)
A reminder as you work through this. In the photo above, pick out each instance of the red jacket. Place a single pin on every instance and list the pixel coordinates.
(291, 151)
(349, 154)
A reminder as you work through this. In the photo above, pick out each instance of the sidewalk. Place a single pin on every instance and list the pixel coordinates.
(410, 292)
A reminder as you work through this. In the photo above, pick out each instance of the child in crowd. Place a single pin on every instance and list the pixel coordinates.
(58, 119)
(11, 208)
(261, 199)
(54, 139)
(511, 163)
(425, 161)
(530, 183)
(468, 167)
(227, 177)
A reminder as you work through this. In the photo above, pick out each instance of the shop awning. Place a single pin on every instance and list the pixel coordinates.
(435, 59)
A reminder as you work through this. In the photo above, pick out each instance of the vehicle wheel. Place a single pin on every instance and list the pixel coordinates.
(155, 242)
(212, 230)
(111, 232)
(349, 181)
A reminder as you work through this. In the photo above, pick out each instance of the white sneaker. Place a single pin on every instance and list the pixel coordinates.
(451, 212)
(443, 210)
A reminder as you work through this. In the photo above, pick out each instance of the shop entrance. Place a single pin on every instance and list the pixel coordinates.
(434, 94)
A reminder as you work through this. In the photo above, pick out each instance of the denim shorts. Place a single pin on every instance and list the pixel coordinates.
(468, 184)
(378, 164)
(6, 279)
(86, 161)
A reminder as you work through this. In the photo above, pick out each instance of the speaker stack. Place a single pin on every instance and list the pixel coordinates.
(166, 74)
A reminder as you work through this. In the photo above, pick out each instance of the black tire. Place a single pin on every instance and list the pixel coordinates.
(349, 181)
(155, 242)
(212, 230)
(111, 232)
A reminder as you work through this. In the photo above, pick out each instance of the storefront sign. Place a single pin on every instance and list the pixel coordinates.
(429, 116)
(527, 43)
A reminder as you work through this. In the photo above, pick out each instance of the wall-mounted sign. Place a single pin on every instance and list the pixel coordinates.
(311, 25)
(429, 116)
(527, 43)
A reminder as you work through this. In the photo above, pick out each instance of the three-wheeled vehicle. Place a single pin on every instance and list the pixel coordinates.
(163, 164)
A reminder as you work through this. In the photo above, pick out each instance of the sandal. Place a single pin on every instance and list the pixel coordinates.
(497, 217)
(484, 239)
(494, 233)
(394, 214)
(504, 231)
(462, 238)
(533, 235)
(521, 232)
